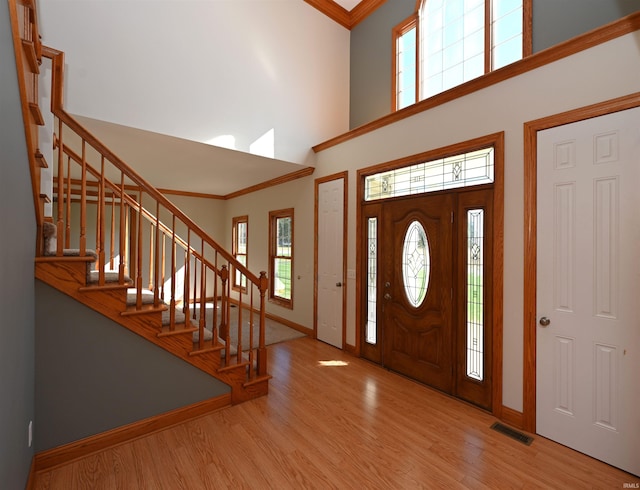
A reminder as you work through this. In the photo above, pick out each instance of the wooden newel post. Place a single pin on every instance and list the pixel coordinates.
(262, 350)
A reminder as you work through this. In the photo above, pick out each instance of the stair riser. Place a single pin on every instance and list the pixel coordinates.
(250, 392)
(64, 275)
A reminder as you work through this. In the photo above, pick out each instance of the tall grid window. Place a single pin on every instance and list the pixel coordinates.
(406, 63)
(281, 257)
(461, 42)
(506, 32)
(455, 41)
(475, 294)
(240, 248)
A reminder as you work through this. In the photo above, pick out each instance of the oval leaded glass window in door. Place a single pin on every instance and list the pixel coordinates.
(416, 264)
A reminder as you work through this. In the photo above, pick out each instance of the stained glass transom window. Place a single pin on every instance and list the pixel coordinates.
(464, 170)
(475, 294)
(416, 264)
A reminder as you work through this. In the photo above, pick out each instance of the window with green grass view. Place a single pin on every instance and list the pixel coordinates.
(281, 257)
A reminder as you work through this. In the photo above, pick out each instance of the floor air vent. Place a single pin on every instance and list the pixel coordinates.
(512, 433)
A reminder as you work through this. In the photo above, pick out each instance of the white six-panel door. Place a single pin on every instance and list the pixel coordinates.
(588, 293)
(330, 261)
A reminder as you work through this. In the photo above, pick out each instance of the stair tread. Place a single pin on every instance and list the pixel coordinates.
(257, 380)
(133, 310)
(64, 258)
(236, 365)
(75, 252)
(106, 287)
(180, 329)
(210, 346)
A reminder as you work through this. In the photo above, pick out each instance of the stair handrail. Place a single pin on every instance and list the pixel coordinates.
(148, 215)
(57, 68)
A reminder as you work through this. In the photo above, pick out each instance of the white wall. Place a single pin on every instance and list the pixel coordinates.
(205, 69)
(604, 72)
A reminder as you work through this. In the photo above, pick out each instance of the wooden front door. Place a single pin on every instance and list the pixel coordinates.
(429, 287)
(417, 288)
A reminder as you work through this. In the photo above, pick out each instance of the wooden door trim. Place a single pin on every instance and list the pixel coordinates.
(531, 129)
(498, 275)
(322, 180)
(497, 141)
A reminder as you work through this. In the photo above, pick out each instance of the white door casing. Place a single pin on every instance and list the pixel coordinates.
(588, 287)
(330, 262)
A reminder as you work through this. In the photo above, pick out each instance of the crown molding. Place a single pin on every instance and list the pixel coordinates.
(344, 17)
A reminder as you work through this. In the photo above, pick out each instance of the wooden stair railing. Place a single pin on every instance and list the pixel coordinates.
(100, 203)
(28, 50)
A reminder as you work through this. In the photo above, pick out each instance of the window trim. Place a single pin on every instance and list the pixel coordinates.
(398, 31)
(273, 234)
(234, 248)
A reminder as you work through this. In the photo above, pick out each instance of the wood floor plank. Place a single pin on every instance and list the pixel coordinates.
(334, 421)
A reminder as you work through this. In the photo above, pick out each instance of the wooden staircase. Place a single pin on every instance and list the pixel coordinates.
(116, 244)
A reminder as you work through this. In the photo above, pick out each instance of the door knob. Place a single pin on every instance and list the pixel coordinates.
(544, 321)
(387, 296)
(338, 284)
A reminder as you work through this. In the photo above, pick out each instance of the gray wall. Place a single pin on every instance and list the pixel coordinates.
(17, 246)
(370, 86)
(554, 21)
(93, 375)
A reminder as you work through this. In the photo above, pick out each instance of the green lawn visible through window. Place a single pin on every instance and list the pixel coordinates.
(281, 257)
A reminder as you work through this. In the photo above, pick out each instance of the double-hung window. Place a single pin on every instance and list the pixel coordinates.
(281, 257)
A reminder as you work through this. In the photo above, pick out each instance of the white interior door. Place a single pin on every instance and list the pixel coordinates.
(588, 293)
(330, 261)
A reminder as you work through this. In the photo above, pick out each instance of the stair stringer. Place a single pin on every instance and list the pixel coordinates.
(68, 275)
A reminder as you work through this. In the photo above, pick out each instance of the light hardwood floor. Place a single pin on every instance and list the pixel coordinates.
(335, 421)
